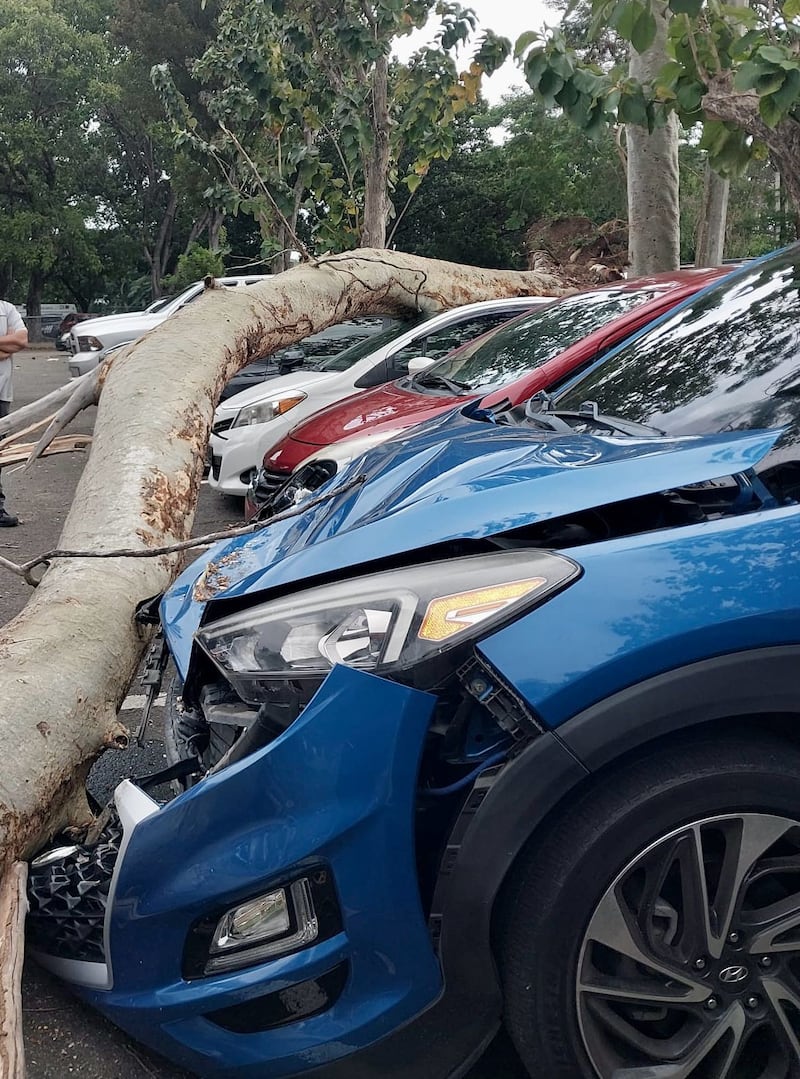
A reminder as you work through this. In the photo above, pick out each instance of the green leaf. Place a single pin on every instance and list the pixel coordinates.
(633, 109)
(644, 31)
(748, 75)
(523, 41)
(670, 73)
(770, 112)
(568, 95)
(772, 54)
(769, 82)
(791, 9)
(549, 85)
(689, 94)
(742, 45)
(625, 17)
(788, 94)
(561, 64)
(534, 67)
(686, 7)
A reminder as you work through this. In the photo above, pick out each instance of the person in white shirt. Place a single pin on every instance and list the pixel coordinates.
(13, 337)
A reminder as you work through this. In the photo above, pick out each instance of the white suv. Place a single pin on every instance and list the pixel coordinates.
(90, 340)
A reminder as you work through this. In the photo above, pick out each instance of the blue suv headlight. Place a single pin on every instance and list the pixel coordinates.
(383, 623)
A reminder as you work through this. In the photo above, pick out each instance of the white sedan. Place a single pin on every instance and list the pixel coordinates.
(250, 423)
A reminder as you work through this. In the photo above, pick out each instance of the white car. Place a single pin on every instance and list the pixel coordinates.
(91, 340)
(248, 424)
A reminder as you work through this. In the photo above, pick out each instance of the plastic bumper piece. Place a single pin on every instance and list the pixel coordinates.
(236, 453)
(337, 788)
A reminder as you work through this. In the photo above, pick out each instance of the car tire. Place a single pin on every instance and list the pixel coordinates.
(590, 891)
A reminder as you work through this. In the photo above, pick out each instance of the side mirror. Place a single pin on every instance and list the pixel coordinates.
(418, 363)
(291, 360)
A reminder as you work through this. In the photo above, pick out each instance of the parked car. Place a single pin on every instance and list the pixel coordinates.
(62, 333)
(506, 727)
(536, 351)
(307, 353)
(247, 424)
(90, 340)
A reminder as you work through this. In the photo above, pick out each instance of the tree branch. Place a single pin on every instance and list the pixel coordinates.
(24, 569)
(301, 247)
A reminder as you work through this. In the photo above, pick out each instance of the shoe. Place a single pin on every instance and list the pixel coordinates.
(8, 520)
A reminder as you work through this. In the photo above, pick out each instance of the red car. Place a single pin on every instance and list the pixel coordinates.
(535, 351)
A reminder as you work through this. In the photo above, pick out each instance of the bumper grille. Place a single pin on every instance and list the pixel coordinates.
(216, 465)
(68, 899)
(266, 483)
(274, 492)
(221, 425)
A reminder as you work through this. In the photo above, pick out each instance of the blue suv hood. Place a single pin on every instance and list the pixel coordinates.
(458, 479)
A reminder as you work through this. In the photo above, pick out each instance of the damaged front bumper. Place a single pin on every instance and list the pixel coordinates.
(330, 802)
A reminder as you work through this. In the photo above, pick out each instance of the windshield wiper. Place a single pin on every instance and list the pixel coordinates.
(565, 421)
(432, 379)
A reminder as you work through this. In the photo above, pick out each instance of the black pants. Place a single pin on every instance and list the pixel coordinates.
(5, 408)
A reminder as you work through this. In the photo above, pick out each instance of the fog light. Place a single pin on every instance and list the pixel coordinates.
(262, 918)
(272, 924)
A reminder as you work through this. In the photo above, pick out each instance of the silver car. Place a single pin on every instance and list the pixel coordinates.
(91, 340)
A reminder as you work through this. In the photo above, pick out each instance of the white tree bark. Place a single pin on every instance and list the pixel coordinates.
(710, 244)
(13, 908)
(67, 659)
(653, 213)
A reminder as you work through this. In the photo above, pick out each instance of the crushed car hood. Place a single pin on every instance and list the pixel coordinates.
(458, 479)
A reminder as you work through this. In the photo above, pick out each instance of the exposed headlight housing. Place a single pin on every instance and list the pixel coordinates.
(90, 344)
(383, 623)
(264, 411)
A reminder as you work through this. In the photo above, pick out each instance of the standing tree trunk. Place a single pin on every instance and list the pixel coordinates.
(653, 213)
(66, 660)
(710, 243)
(376, 163)
(33, 300)
(215, 222)
(740, 107)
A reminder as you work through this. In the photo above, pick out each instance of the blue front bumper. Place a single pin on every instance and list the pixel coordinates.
(337, 788)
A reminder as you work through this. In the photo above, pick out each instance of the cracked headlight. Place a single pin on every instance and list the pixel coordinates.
(264, 411)
(385, 622)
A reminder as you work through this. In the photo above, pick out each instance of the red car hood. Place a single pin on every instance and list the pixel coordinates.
(382, 408)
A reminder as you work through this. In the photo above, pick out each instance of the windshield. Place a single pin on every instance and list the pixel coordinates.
(158, 304)
(518, 346)
(344, 360)
(730, 360)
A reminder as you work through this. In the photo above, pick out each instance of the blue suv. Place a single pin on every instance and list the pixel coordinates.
(504, 726)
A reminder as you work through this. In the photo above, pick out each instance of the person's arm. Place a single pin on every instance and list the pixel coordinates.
(16, 336)
(14, 341)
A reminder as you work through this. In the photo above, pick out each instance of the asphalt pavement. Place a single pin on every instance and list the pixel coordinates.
(63, 1036)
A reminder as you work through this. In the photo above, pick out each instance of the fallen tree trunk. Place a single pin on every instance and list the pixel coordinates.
(67, 659)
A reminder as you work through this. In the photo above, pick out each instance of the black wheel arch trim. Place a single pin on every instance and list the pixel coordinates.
(736, 685)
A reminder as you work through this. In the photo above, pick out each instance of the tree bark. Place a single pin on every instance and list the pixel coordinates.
(653, 213)
(13, 908)
(376, 163)
(710, 243)
(33, 300)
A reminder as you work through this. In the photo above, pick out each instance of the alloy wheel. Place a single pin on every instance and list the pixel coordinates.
(690, 965)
